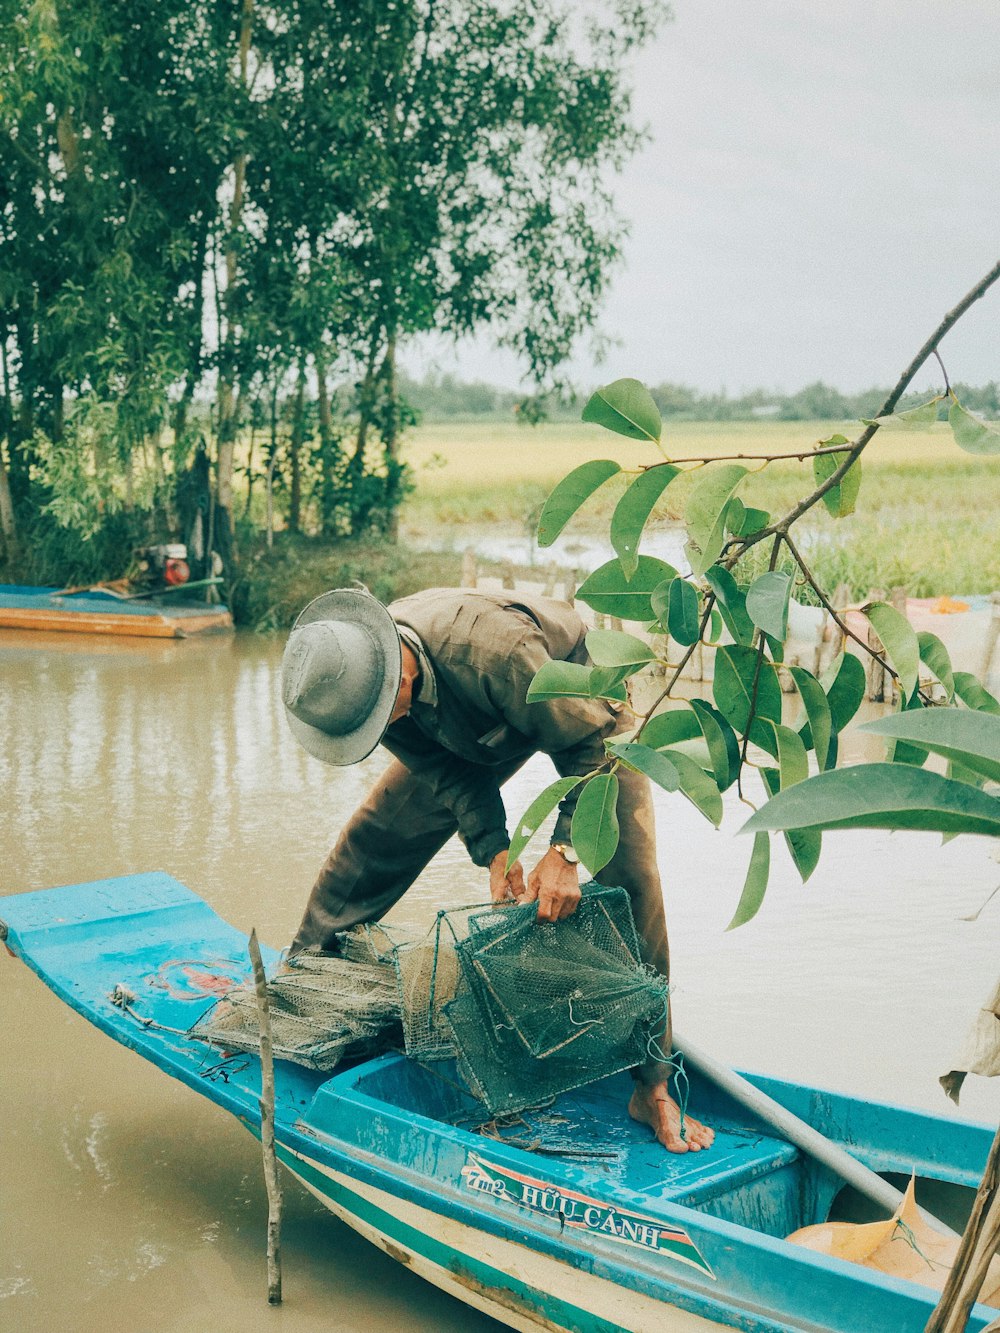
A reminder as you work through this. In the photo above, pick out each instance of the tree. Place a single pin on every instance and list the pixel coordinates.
(703, 747)
(255, 202)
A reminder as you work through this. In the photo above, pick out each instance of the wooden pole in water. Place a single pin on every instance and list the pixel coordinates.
(271, 1179)
(978, 1245)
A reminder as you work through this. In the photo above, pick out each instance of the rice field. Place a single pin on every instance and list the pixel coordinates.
(928, 515)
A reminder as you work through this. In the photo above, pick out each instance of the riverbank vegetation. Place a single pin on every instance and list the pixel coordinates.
(926, 517)
(222, 222)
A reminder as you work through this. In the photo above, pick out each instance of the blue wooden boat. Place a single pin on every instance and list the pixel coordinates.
(96, 611)
(576, 1221)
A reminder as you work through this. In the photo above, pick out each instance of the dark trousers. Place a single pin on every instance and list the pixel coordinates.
(400, 827)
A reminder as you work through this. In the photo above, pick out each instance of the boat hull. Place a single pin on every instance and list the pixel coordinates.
(510, 1282)
(584, 1226)
(43, 609)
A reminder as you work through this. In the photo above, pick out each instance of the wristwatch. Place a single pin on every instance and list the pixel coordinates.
(566, 852)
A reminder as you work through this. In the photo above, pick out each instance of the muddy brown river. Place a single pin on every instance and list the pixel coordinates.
(128, 1204)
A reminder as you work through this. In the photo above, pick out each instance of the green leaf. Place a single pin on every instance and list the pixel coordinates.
(901, 751)
(698, 787)
(570, 493)
(536, 813)
(735, 667)
(793, 762)
(660, 602)
(936, 657)
(609, 682)
(676, 724)
(818, 713)
(841, 499)
(714, 628)
(608, 591)
(844, 682)
(594, 831)
(973, 695)
(633, 510)
(695, 749)
(742, 521)
(767, 603)
(723, 747)
(732, 603)
(885, 796)
(962, 774)
(967, 738)
(706, 514)
(898, 640)
(755, 884)
(626, 407)
(804, 845)
(682, 612)
(972, 433)
(615, 648)
(658, 767)
(560, 680)
(753, 521)
(914, 418)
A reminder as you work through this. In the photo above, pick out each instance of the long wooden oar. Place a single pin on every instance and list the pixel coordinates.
(797, 1131)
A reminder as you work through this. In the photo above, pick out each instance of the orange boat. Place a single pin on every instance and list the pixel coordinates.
(94, 611)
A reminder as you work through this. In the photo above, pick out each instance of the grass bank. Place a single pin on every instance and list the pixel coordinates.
(274, 585)
(926, 517)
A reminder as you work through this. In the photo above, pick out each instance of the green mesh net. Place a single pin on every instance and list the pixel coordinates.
(428, 974)
(531, 1009)
(527, 1009)
(323, 1007)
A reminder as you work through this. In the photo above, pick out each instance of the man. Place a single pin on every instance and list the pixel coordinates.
(441, 679)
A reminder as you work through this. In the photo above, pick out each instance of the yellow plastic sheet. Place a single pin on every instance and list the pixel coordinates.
(903, 1246)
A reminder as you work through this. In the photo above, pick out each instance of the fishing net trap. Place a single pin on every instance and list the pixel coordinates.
(526, 1009)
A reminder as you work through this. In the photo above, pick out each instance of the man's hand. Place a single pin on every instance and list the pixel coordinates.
(555, 884)
(506, 886)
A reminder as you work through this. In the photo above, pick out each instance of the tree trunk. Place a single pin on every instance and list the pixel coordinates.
(295, 453)
(391, 440)
(366, 401)
(228, 396)
(325, 407)
(8, 524)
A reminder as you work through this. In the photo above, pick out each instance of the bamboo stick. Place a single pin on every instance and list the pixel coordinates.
(952, 1310)
(271, 1179)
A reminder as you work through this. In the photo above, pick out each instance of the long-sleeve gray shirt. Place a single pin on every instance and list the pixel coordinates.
(484, 649)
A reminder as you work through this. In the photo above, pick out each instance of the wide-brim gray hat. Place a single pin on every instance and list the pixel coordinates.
(340, 675)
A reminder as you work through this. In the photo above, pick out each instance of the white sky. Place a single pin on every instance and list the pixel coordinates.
(822, 184)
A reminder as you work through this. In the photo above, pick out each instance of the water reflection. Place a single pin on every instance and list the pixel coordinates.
(117, 757)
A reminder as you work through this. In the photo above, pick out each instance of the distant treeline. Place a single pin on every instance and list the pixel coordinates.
(440, 397)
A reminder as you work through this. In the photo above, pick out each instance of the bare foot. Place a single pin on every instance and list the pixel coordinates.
(652, 1105)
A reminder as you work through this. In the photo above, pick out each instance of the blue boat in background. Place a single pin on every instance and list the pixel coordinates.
(100, 611)
(576, 1220)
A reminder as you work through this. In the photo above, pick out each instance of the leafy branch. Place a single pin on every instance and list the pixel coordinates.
(699, 747)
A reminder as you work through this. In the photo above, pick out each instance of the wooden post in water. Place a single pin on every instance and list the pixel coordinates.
(839, 600)
(976, 1250)
(897, 600)
(271, 1179)
(876, 671)
(470, 574)
(992, 634)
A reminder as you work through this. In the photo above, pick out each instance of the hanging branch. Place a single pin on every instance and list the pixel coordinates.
(835, 615)
(861, 443)
(755, 688)
(675, 677)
